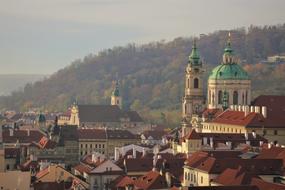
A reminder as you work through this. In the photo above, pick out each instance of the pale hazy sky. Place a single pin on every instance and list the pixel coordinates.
(42, 36)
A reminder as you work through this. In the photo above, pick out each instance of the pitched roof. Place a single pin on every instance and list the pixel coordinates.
(252, 119)
(235, 138)
(22, 135)
(264, 185)
(155, 134)
(120, 134)
(235, 176)
(92, 133)
(209, 164)
(105, 113)
(275, 109)
(151, 180)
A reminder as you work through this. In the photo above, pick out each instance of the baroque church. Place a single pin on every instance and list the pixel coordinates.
(104, 116)
(228, 108)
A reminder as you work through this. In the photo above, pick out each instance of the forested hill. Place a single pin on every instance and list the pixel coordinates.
(152, 75)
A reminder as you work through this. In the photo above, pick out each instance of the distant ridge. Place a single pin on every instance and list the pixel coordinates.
(152, 75)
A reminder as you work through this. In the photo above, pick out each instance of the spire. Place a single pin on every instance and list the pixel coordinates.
(116, 91)
(228, 48)
(194, 56)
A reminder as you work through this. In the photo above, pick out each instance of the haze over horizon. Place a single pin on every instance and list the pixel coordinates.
(40, 37)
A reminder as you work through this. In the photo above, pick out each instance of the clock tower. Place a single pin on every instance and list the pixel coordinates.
(193, 101)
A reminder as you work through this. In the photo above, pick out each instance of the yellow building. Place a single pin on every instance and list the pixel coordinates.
(265, 117)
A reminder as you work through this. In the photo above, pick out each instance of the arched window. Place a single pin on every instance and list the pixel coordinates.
(196, 83)
(235, 98)
(220, 97)
(185, 108)
(209, 96)
(188, 83)
(246, 98)
(243, 98)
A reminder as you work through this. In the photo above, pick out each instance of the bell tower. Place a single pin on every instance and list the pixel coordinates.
(116, 98)
(193, 100)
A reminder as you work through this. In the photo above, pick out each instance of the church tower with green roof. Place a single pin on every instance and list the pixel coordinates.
(228, 77)
(116, 98)
(193, 100)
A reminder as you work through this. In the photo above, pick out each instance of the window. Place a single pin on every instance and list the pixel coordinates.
(103, 145)
(243, 98)
(246, 97)
(90, 145)
(220, 97)
(201, 179)
(85, 145)
(196, 83)
(96, 145)
(275, 132)
(235, 98)
(188, 83)
(99, 145)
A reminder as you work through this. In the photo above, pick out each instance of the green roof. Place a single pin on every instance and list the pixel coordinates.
(116, 91)
(229, 72)
(194, 56)
(41, 118)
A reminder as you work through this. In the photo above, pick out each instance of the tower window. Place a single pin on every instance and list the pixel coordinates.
(235, 98)
(220, 97)
(188, 83)
(196, 83)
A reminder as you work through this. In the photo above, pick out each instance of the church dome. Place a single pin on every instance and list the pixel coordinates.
(229, 69)
(229, 72)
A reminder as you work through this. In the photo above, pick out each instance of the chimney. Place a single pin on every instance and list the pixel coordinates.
(239, 108)
(117, 153)
(159, 156)
(247, 142)
(256, 109)
(269, 145)
(28, 132)
(11, 132)
(243, 108)
(254, 134)
(260, 143)
(154, 161)
(264, 111)
(143, 152)
(251, 108)
(205, 141)
(229, 144)
(94, 157)
(246, 111)
(168, 179)
(134, 151)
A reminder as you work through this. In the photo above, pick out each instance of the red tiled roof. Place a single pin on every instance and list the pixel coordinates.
(152, 180)
(235, 138)
(272, 153)
(204, 162)
(92, 134)
(211, 113)
(275, 109)
(235, 177)
(252, 119)
(124, 182)
(22, 136)
(263, 185)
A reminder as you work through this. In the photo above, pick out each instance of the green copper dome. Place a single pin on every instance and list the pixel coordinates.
(229, 72)
(229, 69)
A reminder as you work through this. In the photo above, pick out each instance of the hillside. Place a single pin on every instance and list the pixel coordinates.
(14, 82)
(152, 75)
